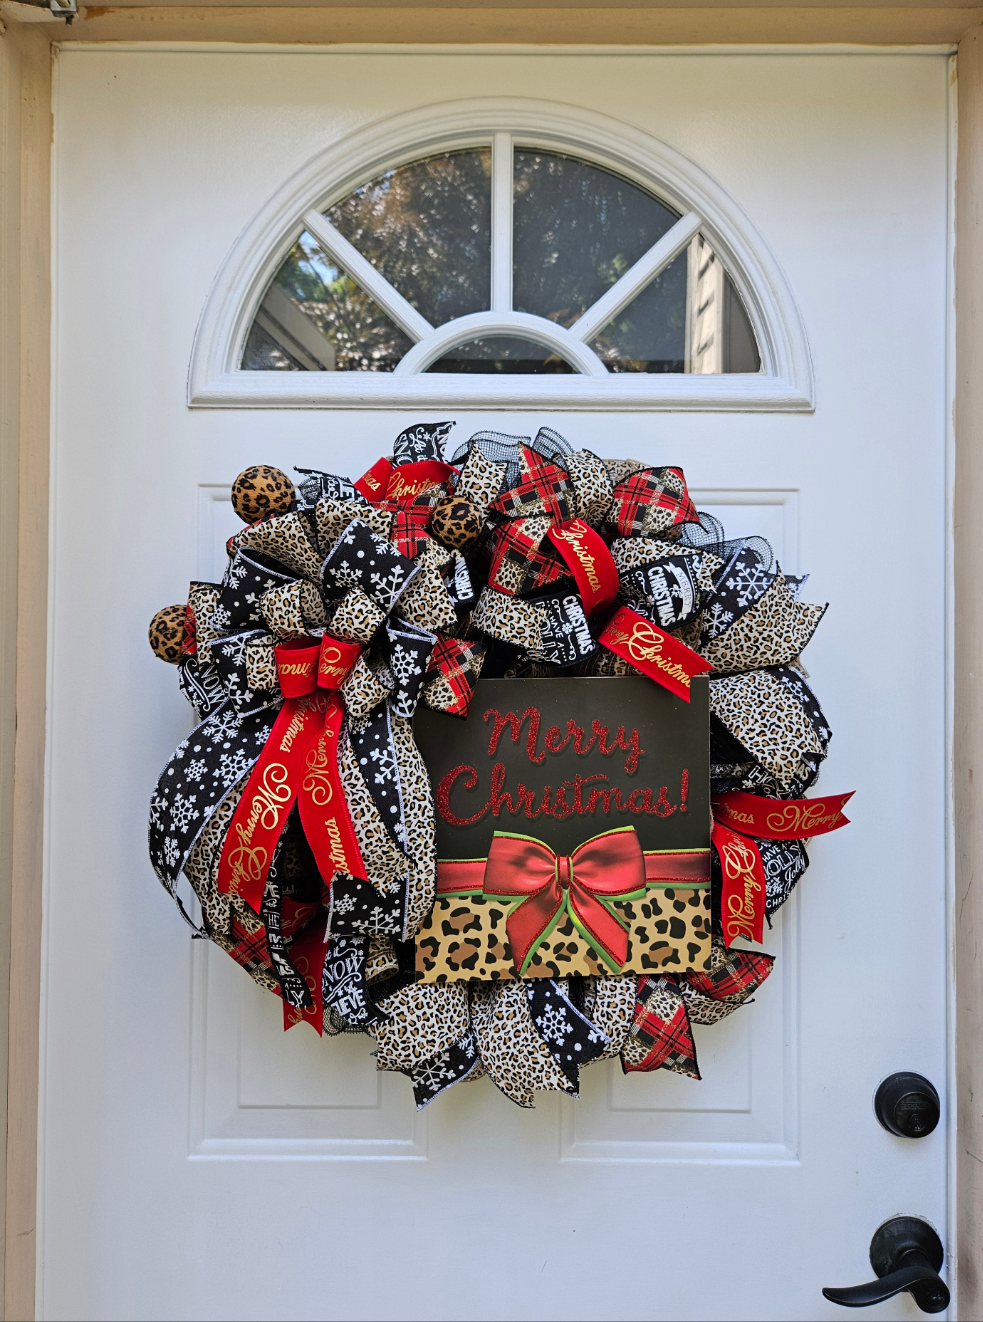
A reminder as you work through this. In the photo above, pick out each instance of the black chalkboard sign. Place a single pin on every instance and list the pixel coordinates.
(565, 759)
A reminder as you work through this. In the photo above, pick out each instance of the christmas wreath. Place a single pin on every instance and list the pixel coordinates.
(417, 803)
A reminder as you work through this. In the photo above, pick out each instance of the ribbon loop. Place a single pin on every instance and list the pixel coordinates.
(609, 866)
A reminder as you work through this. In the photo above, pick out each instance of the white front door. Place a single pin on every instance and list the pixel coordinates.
(198, 1163)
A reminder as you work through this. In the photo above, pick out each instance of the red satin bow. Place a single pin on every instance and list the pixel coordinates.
(610, 866)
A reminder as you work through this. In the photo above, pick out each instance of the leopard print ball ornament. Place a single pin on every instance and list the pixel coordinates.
(456, 522)
(261, 490)
(167, 633)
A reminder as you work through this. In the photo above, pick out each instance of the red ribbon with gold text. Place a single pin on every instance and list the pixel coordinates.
(738, 815)
(607, 867)
(298, 761)
(589, 560)
(781, 819)
(654, 652)
(742, 900)
(401, 483)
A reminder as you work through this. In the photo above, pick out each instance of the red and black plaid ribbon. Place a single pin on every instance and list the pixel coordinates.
(735, 973)
(651, 501)
(454, 669)
(662, 1024)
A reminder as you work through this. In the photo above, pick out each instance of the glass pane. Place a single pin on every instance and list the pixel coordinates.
(689, 319)
(315, 318)
(500, 353)
(576, 230)
(427, 228)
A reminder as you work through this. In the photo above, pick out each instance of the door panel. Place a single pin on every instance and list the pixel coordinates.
(196, 1162)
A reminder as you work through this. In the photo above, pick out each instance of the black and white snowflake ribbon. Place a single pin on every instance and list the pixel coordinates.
(569, 1035)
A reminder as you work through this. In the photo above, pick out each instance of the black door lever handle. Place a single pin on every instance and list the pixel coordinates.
(906, 1254)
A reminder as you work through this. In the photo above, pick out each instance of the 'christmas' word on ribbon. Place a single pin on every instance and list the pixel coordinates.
(780, 819)
(655, 653)
(589, 560)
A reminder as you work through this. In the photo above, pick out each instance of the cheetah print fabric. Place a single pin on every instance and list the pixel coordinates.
(418, 819)
(619, 469)
(517, 1059)
(166, 633)
(286, 538)
(770, 633)
(364, 688)
(509, 619)
(261, 490)
(612, 1009)
(763, 715)
(357, 618)
(466, 937)
(281, 610)
(426, 602)
(385, 863)
(203, 600)
(201, 869)
(593, 488)
(423, 1021)
(260, 658)
(481, 478)
(332, 517)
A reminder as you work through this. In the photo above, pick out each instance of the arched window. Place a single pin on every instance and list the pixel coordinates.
(531, 264)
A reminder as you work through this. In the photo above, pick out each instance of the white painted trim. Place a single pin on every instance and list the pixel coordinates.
(439, 390)
(501, 223)
(364, 273)
(636, 278)
(784, 384)
(523, 324)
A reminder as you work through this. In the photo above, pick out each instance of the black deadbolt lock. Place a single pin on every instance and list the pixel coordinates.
(906, 1104)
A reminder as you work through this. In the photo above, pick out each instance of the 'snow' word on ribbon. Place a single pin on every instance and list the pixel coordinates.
(610, 866)
(781, 819)
(652, 651)
(298, 764)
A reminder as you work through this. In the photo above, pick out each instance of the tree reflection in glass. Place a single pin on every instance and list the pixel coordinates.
(426, 227)
(315, 318)
(576, 230)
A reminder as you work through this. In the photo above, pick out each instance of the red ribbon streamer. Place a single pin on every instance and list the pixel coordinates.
(269, 795)
(321, 802)
(655, 653)
(307, 954)
(742, 900)
(589, 560)
(299, 760)
(335, 660)
(781, 819)
(607, 867)
(372, 484)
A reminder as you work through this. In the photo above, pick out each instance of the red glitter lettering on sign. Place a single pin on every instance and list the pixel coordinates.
(577, 733)
(552, 735)
(444, 796)
(515, 724)
(567, 800)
